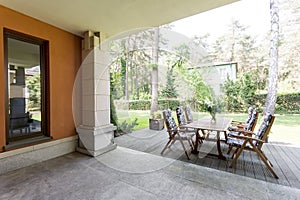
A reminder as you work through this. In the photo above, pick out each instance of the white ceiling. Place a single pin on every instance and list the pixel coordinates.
(110, 16)
(22, 53)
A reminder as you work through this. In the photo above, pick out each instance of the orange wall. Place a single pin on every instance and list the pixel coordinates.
(64, 61)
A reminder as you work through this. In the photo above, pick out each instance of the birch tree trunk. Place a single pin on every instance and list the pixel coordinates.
(154, 73)
(127, 67)
(273, 69)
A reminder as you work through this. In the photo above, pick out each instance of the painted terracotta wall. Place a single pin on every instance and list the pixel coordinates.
(64, 60)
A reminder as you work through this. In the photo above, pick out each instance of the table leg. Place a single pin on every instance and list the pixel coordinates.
(220, 154)
(195, 150)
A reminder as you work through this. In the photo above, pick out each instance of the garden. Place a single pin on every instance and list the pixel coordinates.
(146, 79)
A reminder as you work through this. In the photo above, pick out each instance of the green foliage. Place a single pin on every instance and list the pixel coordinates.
(169, 91)
(156, 115)
(286, 103)
(153, 66)
(248, 88)
(142, 93)
(232, 96)
(113, 113)
(212, 106)
(33, 83)
(241, 94)
(123, 75)
(139, 104)
(200, 88)
(145, 104)
(168, 103)
(127, 127)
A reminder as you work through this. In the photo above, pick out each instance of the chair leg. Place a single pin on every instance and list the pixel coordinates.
(264, 159)
(229, 149)
(166, 146)
(186, 153)
(171, 143)
(236, 150)
(236, 156)
(225, 134)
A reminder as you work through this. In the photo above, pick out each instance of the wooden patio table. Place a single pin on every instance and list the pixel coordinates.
(220, 125)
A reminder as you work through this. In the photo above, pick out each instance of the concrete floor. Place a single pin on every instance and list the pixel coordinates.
(129, 174)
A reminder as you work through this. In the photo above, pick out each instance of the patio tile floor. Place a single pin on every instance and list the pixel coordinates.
(128, 174)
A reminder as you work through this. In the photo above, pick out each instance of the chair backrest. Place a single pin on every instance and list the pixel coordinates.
(169, 121)
(250, 111)
(252, 122)
(188, 114)
(20, 120)
(264, 128)
(180, 116)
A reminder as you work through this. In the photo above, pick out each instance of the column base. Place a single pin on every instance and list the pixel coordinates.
(95, 141)
(97, 152)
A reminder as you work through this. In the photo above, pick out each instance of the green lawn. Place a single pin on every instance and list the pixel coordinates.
(36, 115)
(129, 116)
(285, 128)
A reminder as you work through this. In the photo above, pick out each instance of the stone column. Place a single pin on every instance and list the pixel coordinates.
(95, 132)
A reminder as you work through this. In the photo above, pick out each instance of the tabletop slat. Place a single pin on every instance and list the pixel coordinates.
(221, 124)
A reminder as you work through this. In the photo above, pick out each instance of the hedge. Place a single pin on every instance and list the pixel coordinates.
(146, 104)
(286, 104)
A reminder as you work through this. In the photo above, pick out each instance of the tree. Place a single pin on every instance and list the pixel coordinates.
(236, 45)
(154, 73)
(34, 86)
(273, 69)
(169, 91)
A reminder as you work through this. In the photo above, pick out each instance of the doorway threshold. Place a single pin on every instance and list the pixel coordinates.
(26, 142)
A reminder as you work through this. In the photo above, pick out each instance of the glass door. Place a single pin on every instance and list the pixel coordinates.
(25, 65)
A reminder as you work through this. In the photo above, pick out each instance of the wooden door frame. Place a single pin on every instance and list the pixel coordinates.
(44, 68)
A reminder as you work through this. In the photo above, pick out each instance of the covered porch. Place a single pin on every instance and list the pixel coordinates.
(133, 170)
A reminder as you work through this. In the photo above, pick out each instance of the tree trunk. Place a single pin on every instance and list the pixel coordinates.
(127, 67)
(154, 73)
(273, 69)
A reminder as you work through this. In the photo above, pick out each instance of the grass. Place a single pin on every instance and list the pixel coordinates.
(285, 128)
(129, 116)
(36, 116)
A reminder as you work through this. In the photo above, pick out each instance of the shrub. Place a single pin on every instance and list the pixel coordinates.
(126, 127)
(168, 103)
(139, 104)
(146, 104)
(286, 103)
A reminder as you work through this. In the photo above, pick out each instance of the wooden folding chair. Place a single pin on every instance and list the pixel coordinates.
(188, 114)
(248, 126)
(181, 118)
(175, 133)
(247, 140)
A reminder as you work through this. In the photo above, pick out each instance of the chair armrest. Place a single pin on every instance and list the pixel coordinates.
(245, 132)
(242, 126)
(236, 129)
(244, 137)
(234, 122)
(242, 131)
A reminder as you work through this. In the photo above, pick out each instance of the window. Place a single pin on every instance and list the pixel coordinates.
(26, 66)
